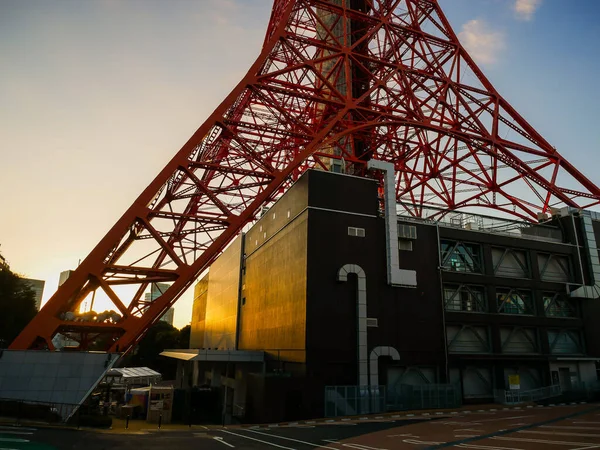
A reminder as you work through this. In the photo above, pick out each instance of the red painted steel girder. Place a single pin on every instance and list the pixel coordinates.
(338, 82)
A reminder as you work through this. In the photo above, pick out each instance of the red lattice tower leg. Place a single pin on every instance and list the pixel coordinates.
(338, 82)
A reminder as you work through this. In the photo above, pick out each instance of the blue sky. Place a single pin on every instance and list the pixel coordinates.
(96, 96)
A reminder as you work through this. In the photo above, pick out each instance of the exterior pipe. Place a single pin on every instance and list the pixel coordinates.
(342, 275)
(375, 355)
(396, 276)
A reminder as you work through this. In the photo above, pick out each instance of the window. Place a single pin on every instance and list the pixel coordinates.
(511, 263)
(556, 305)
(461, 257)
(554, 268)
(357, 232)
(468, 339)
(405, 245)
(372, 323)
(407, 231)
(514, 301)
(565, 341)
(464, 298)
(518, 340)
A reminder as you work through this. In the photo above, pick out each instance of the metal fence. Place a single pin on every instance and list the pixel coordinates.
(520, 396)
(354, 400)
(427, 396)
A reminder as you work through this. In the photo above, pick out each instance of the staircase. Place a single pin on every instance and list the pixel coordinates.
(514, 397)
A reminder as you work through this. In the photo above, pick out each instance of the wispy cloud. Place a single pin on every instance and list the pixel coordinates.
(525, 9)
(483, 43)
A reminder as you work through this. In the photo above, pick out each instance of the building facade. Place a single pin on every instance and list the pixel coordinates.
(333, 290)
(156, 290)
(37, 286)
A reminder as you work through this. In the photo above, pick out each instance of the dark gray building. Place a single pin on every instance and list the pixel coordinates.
(330, 289)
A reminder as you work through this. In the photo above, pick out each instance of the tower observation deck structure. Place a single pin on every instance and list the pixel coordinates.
(337, 83)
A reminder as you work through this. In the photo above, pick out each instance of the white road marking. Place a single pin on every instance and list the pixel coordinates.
(220, 439)
(13, 440)
(357, 446)
(503, 418)
(417, 442)
(257, 440)
(539, 441)
(469, 429)
(16, 432)
(288, 439)
(560, 433)
(486, 447)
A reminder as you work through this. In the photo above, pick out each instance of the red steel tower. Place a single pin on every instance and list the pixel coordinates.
(337, 83)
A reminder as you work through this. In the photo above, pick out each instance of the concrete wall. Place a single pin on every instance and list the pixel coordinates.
(273, 311)
(199, 313)
(222, 299)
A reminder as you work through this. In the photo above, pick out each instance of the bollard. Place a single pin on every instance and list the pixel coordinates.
(127, 422)
(159, 420)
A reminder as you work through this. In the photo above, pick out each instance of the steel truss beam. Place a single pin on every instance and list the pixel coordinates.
(345, 80)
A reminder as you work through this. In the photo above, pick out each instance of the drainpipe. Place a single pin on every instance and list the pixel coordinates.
(375, 355)
(363, 378)
(396, 276)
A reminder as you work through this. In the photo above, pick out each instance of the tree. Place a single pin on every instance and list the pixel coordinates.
(17, 305)
(160, 336)
(184, 337)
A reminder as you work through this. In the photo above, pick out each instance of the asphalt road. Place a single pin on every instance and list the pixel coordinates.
(567, 427)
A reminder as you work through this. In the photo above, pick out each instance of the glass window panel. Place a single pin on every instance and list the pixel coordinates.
(513, 301)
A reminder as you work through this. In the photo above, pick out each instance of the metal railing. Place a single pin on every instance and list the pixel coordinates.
(520, 396)
(354, 400)
(427, 396)
(239, 410)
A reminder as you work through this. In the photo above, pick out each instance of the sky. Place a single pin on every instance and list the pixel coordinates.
(96, 97)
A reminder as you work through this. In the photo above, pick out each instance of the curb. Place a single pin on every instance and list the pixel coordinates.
(407, 415)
